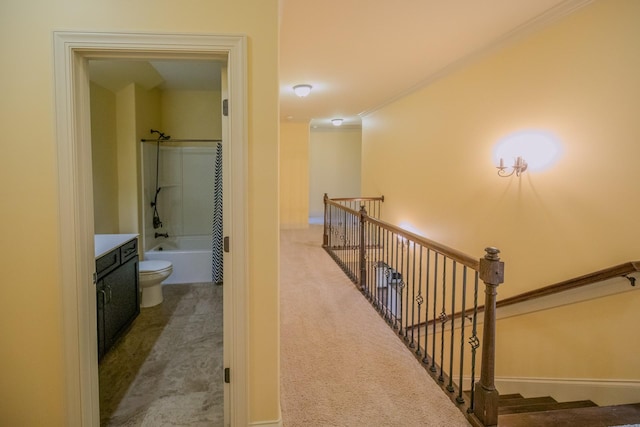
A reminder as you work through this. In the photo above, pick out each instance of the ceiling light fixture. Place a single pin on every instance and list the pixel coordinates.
(336, 122)
(302, 90)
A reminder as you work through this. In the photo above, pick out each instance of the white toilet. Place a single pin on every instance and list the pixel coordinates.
(152, 273)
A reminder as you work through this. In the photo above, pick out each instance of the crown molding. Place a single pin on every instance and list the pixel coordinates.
(529, 27)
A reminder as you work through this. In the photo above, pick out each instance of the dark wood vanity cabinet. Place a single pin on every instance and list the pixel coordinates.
(117, 293)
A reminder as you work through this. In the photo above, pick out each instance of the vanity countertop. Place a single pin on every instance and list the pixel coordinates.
(105, 243)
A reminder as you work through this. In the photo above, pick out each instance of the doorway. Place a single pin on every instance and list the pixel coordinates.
(155, 370)
(72, 51)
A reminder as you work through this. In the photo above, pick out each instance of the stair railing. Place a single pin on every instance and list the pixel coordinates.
(417, 285)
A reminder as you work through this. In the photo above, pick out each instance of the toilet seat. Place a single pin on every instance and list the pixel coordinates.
(153, 266)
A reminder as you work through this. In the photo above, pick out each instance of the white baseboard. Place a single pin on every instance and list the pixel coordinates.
(602, 392)
(277, 423)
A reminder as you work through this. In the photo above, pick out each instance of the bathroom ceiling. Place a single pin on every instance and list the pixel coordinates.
(175, 74)
(360, 55)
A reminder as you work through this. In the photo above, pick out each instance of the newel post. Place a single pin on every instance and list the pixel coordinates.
(325, 235)
(486, 404)
(363, 249)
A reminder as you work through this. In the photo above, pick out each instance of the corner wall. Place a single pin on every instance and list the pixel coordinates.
(294, 175)
(334, 165)
(104, 160)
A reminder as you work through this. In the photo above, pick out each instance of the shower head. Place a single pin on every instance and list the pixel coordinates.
(161, 136)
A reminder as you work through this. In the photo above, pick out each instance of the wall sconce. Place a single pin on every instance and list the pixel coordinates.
(336, 122)
(541, 149)
(518, 167)
(302, 90)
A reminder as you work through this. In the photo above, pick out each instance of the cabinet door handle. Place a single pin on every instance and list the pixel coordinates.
(110, 295)
(104, 296)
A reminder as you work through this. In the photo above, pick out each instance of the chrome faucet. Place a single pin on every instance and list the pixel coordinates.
(162, 235)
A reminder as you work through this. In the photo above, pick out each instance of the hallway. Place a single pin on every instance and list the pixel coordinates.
(341, 365)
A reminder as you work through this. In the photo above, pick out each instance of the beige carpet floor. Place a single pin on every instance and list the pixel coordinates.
(341, 365)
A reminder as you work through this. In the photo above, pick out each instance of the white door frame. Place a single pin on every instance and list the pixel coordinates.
(72, 50)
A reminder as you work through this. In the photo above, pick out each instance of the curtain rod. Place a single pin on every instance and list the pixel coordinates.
(182, 140)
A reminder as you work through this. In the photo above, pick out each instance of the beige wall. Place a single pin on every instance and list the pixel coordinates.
(578, 79)
(294, 175)
(128, 159)
(31, 353)
(148, 116)
(105, 160)
(334, 165)
(192, 114)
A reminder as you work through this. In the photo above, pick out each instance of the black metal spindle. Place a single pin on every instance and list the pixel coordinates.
(413, 295)
(427, 276)
(435, 302)
(403, 287)
(453, 326)
(395, 296)
(419, 300)
(460, 399)
(475, 343)
(385, 289)
(443, 318)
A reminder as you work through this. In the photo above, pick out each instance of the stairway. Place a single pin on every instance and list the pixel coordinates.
(518, 411)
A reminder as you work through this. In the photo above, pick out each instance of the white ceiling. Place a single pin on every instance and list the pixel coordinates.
(360, 54)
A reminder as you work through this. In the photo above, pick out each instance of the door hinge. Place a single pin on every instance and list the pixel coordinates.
(227, 375)
(226, 243)
(225, 107)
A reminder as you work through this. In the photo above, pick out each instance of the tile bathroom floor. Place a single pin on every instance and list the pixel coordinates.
(167, 370)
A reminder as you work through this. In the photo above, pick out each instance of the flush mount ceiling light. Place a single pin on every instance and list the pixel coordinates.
(336, 122)
(302, 90)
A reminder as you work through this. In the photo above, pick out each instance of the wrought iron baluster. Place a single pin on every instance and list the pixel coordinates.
(419, 300)
(443, 317)
(435, 316)
(427, 275)
(453, 326)
(394, 297)
(460, 399)
(474, 342)
(387, 258)
(400, 314)
(413, 294)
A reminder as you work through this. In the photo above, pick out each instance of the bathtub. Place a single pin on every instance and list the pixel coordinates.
(190, 256)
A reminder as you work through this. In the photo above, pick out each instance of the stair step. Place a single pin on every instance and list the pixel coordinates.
(510, 396)
(538, 407)
(502, 397)
(522, 401)
(596, 416)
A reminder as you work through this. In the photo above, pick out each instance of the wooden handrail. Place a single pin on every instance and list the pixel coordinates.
(454, 254)
(357, 199)
(332, 202)
(621, 270)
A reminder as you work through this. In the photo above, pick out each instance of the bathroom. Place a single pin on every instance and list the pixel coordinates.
(160, 185)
